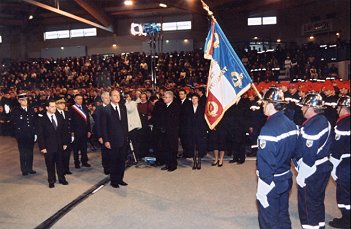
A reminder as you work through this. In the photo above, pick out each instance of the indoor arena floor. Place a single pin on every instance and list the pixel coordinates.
(213, 197)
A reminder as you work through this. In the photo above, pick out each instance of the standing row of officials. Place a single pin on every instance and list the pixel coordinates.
(316, 149)
(56, 130)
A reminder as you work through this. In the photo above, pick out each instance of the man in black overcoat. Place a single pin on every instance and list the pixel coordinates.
(169, 131)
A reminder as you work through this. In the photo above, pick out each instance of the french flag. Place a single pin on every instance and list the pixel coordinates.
(227, 79)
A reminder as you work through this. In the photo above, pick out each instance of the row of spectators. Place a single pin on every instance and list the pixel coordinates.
(183, 68)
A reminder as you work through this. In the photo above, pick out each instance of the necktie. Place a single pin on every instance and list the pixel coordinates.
(119, 116)
(61, 113)
(53, 122)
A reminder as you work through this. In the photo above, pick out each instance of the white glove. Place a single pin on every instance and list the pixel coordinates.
(35, 137)
(305, 171)
(335, 163)
(262, 191)
(72, 139)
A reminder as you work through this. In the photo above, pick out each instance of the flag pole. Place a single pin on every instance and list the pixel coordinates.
(210, 14)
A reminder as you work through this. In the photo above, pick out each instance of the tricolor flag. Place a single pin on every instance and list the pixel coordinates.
(227, 79)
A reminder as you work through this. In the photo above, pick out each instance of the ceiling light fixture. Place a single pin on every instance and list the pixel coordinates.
(30, 17)
(163, 5)
(128, 3)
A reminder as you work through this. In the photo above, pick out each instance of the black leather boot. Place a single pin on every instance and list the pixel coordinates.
(198, 162)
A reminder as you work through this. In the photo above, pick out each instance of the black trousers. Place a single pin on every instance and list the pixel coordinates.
(105, 158)
(117, 164)
(54, 163)
(25, 148)
(66, 155)
(80, 144)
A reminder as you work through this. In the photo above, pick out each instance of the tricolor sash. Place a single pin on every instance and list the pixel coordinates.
(80, 112)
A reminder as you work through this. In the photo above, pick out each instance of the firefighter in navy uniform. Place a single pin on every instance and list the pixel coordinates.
(24, 119)
(312, 162)
(277, 142)
(340, 158)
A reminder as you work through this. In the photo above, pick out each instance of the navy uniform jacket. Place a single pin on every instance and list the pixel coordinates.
(67, 119)
(341, 141)
(277, 141)
(24, 123)
(314, 140)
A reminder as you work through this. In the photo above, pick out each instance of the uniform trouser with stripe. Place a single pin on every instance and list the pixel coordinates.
(343, 187)
(311, 200)
(66, 157)
(276, 215)
(25, 148)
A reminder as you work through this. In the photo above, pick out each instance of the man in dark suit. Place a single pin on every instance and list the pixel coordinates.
(105, 160)
(114, 125)
(53, 138)
(61, 110)
(184, 104)
(24, 119)
(80, 127)
(170, 126)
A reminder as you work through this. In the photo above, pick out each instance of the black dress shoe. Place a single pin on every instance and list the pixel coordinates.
(24, 174)
(164, 168)
(63, 182)
(123, 183)
(220, 165)
(171, 169)
(86, 165)
(77, 166)
(214, 163)
(340, 223)
(232, 161)
(106, 172)
(32, 172)
(68, 172)
(115, 185)
(51, 185)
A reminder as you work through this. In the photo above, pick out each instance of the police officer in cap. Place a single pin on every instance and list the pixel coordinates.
(24, 119)
(313, 165)
(277, 141)
(340, 158)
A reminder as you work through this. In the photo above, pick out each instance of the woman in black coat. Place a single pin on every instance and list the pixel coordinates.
(196, 130)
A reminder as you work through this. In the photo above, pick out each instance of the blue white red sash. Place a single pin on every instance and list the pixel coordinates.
(80, 112)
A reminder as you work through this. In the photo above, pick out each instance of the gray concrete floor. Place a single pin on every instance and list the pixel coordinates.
(210, 198)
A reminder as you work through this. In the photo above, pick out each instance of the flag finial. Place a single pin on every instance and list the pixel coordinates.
(207, 8)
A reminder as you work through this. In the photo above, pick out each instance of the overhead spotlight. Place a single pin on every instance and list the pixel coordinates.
(279, 40)
(163, 5)
(62, 48)
(114, 45)
(167, 41)
(255, 38)
(311, 37)
(186, 40)
(128, 3)
(337, 34)
(30, 17)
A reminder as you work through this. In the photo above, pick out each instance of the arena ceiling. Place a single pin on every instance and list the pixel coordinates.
(15, 13)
